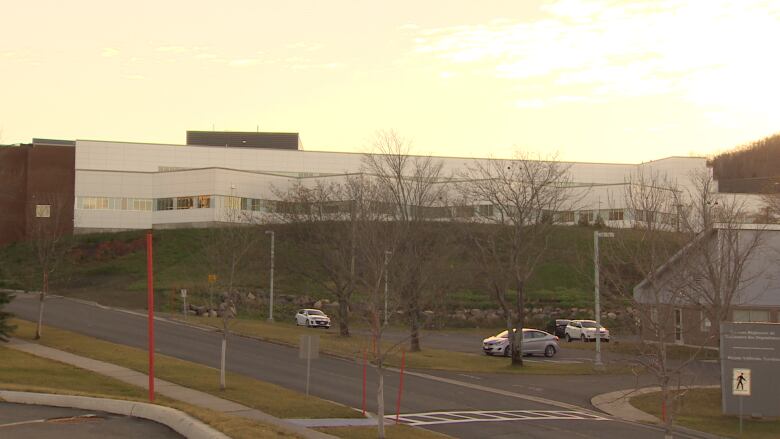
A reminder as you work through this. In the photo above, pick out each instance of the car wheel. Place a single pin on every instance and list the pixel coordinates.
(582, 337)
(568, 337)
(508, 351)
(549, 351)
(308, 324)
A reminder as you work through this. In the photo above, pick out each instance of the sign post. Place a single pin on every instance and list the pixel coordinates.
(150, 309)
(184, 299)
(740, 387)
(309, 348)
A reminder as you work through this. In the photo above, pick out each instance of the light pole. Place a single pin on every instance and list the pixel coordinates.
(271, 302)
(596, 235)
(387, 255)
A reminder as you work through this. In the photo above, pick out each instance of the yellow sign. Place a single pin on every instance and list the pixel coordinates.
(212, 278)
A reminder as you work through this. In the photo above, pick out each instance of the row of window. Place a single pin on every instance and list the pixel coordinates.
(260, 205)
(113, 203)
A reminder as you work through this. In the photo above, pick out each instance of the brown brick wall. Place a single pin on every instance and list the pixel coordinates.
(32, 175)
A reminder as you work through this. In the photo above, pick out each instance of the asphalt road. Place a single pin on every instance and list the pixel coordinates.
(341, 380)
(21, 421)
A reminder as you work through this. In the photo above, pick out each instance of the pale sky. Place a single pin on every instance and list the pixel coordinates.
(590, 80)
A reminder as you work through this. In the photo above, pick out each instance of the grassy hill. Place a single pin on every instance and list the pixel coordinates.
(111, 269)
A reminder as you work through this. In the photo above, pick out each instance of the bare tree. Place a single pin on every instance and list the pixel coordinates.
(375, 235)
(517, 200)
(687, 253)
(228, 247)
(328, 213)
(50, 241)
(415, 188)
(719, 250)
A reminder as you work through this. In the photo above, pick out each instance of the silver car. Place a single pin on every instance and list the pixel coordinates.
(534, 342)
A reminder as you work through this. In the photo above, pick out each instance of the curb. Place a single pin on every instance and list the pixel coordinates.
(178, 421)
(617, 405)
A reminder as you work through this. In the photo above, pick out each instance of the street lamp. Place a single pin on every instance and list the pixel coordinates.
(271, 302)
(596, 235)
(387, 255)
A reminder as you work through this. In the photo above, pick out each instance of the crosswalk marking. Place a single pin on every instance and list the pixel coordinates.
(433, 418)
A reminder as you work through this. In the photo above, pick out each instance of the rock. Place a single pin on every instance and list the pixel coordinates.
(318, 304)
(611, 315)
(428, 313)
(212, 313)
(250, 296)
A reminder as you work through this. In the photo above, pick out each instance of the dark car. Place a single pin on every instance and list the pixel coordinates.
(558, 327)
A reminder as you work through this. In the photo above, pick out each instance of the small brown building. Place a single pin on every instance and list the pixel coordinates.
(36, 185)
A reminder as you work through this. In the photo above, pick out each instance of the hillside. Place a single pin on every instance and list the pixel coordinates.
(752, 168)
(111, 269)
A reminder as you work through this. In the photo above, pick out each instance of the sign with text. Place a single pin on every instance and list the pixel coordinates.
(750, 352)
(740, 382)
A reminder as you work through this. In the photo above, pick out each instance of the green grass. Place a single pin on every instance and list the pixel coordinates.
(354, 347)
(263, 396)
(563, 277)
(674, 352)
(20, 371)
(700, 409)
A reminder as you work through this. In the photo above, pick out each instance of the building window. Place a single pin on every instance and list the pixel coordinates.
(616, 215)
(564, 217)
(750, 315)
(43, 210)
(587, 215)
(204, 201)
(164, 204)
(485, 210)
(233, 203)
(706, 324)
(184, 203)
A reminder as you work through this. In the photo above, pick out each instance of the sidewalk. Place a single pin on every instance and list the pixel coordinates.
(618, 405)
(171, 390)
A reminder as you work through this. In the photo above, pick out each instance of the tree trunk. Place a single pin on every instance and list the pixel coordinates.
(343, 317)
(517, 349)
(414, 327)
(380, 403)
(42, 298)
(38, 328)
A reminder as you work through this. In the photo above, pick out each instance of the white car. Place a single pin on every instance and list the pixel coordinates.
(534, 342)
(585, 330)
(312, 318)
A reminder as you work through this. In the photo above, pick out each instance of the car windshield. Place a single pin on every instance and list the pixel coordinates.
(590, 325)
(316, 313)
(505, 334)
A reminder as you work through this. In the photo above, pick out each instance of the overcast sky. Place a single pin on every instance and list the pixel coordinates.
(590, 80)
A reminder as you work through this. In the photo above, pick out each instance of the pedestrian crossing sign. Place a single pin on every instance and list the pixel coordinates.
(740, 382)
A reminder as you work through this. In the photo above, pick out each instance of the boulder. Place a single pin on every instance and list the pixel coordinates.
(250, 296)
(318, 304)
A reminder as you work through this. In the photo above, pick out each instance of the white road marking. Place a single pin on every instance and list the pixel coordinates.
(454, 417)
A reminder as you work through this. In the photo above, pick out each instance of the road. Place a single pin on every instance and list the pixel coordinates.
(515, 408)
(21, 421)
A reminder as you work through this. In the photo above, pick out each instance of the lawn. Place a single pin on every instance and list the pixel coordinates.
(701, 410)
(354, 348)
(24, 372)
(267, 397)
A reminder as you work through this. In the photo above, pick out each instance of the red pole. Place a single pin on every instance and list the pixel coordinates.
(400, 387)
(150, 306)
(365, 365)
(663, 411)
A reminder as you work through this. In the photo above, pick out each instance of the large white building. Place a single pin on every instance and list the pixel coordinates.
(120, 186)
